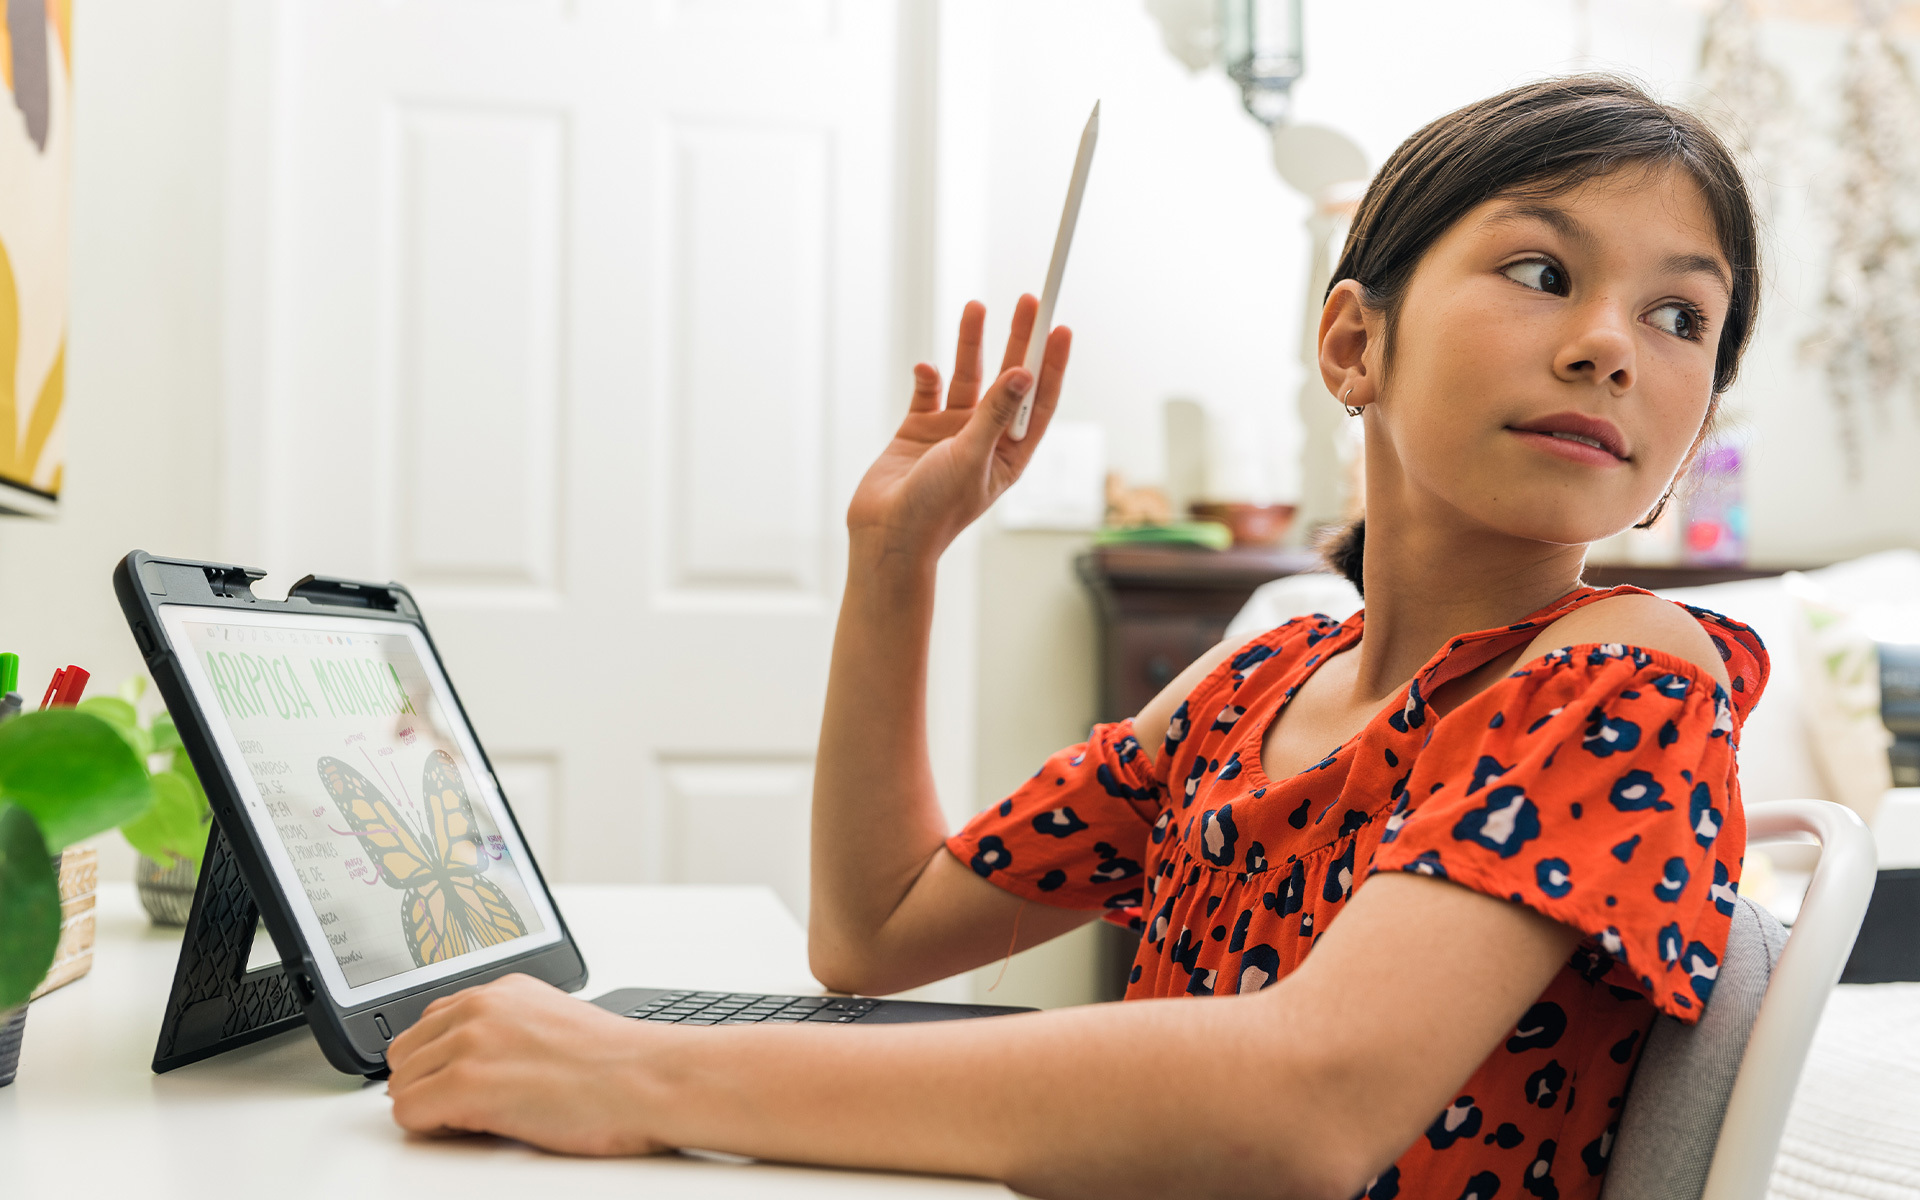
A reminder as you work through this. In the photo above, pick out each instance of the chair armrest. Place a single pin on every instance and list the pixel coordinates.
(1815, 954)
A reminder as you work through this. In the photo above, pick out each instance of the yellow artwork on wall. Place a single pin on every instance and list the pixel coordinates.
(36, 146)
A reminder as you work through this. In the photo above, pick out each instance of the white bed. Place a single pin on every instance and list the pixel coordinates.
(1855, 1126)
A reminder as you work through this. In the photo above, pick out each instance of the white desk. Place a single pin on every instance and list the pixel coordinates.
(87, 1117)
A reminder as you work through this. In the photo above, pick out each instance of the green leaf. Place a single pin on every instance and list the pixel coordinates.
(29, 906)
(183, 767)
(125, 721)
(72, 772)
(165, 736)
(132, 688)
(173, 826)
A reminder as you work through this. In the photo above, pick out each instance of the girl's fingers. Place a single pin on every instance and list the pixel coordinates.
(1053, 366)
(1053, 371)
(1023, 314)
(926, 389)
(996, 413)
(423, 1061)
(965, 391)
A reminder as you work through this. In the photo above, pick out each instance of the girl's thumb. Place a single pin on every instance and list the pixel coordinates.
(1002, 404)
(1007, 397)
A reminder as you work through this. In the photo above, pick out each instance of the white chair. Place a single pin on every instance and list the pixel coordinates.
(1727, 1082)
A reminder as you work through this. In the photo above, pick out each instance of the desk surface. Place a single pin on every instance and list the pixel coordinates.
(88, 1117)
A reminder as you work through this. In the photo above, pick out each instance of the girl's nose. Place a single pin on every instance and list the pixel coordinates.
(1600, 351)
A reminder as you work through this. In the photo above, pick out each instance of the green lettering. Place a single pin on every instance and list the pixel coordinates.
(350, 672)
(294, 689)
(326, 686)
(377, 704)
(251, 670)
(228, 702)
(264, 669)
(406, 703)
(276, 671)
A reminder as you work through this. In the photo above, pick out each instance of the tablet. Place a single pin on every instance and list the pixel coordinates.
(358, 804)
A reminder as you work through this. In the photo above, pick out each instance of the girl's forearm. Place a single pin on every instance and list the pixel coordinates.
(1061, 1104)
(876, 816)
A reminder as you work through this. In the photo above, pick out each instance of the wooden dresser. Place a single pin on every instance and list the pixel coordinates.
(1162, 607)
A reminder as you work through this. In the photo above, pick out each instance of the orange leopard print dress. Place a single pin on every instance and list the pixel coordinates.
(1595, 785)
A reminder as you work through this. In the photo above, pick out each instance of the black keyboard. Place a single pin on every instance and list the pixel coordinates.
(741, 1008)
(753, 1008)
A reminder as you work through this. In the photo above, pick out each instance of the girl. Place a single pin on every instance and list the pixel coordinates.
(1412, 886)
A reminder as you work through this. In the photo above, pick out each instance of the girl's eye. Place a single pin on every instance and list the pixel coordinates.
(1680, 320)
(1538, 274)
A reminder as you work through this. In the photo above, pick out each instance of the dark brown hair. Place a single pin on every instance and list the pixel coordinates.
(1536, 141)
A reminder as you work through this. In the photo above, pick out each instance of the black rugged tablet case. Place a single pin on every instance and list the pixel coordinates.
(216, 1003)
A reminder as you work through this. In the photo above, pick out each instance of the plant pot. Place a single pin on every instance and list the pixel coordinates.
(1252, 524)
(12, 1024)
(166, 892)
(79, 870)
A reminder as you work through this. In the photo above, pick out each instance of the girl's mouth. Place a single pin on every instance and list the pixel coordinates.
(1576, 436)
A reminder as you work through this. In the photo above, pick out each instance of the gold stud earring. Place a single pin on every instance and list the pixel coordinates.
(1353, 410)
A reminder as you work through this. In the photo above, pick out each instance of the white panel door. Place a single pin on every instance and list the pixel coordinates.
(576, 316)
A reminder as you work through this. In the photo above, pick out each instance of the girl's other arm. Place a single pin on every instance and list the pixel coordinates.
(890, 908)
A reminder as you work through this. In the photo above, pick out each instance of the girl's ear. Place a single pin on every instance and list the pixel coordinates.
(1347, 331)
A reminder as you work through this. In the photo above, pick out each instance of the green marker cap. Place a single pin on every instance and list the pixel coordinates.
(9, 673)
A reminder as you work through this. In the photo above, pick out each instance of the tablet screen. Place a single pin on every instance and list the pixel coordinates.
(369, 794)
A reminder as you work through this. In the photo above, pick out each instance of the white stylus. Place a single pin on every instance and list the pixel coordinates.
(1062, 242)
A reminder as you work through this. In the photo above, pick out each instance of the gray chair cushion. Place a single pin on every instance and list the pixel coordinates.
(1685, 1077)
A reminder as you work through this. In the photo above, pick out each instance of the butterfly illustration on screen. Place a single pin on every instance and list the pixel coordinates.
(449, 908)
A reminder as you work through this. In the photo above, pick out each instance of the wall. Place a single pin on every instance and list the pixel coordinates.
(1185, 279)
(1038, 681)
(144, 369)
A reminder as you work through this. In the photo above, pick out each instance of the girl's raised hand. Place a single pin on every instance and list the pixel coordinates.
(947, 463)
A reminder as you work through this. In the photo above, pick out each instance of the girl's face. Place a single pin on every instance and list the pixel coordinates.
(1552, 362)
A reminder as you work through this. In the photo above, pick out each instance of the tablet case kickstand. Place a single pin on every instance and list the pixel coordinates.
(217, 1004)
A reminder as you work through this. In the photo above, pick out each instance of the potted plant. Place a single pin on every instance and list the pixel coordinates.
(65, 775)
(171, 834)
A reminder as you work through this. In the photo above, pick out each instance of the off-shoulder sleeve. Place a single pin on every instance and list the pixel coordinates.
(1073, 835)
(1596, 786)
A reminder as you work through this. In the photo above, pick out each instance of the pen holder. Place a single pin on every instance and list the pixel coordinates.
(79, 870)
(12, 1025)
(166, 892)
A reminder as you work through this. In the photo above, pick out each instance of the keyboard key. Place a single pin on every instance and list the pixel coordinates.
(699, 1021)
(810, 1002)
(854, 1006)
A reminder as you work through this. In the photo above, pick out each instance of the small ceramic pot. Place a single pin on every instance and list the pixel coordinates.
(1252, 524)
(166, 892)
(12, 1024)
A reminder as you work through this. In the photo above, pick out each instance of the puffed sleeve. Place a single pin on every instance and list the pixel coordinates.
(1596, 786)
(1073, 835)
